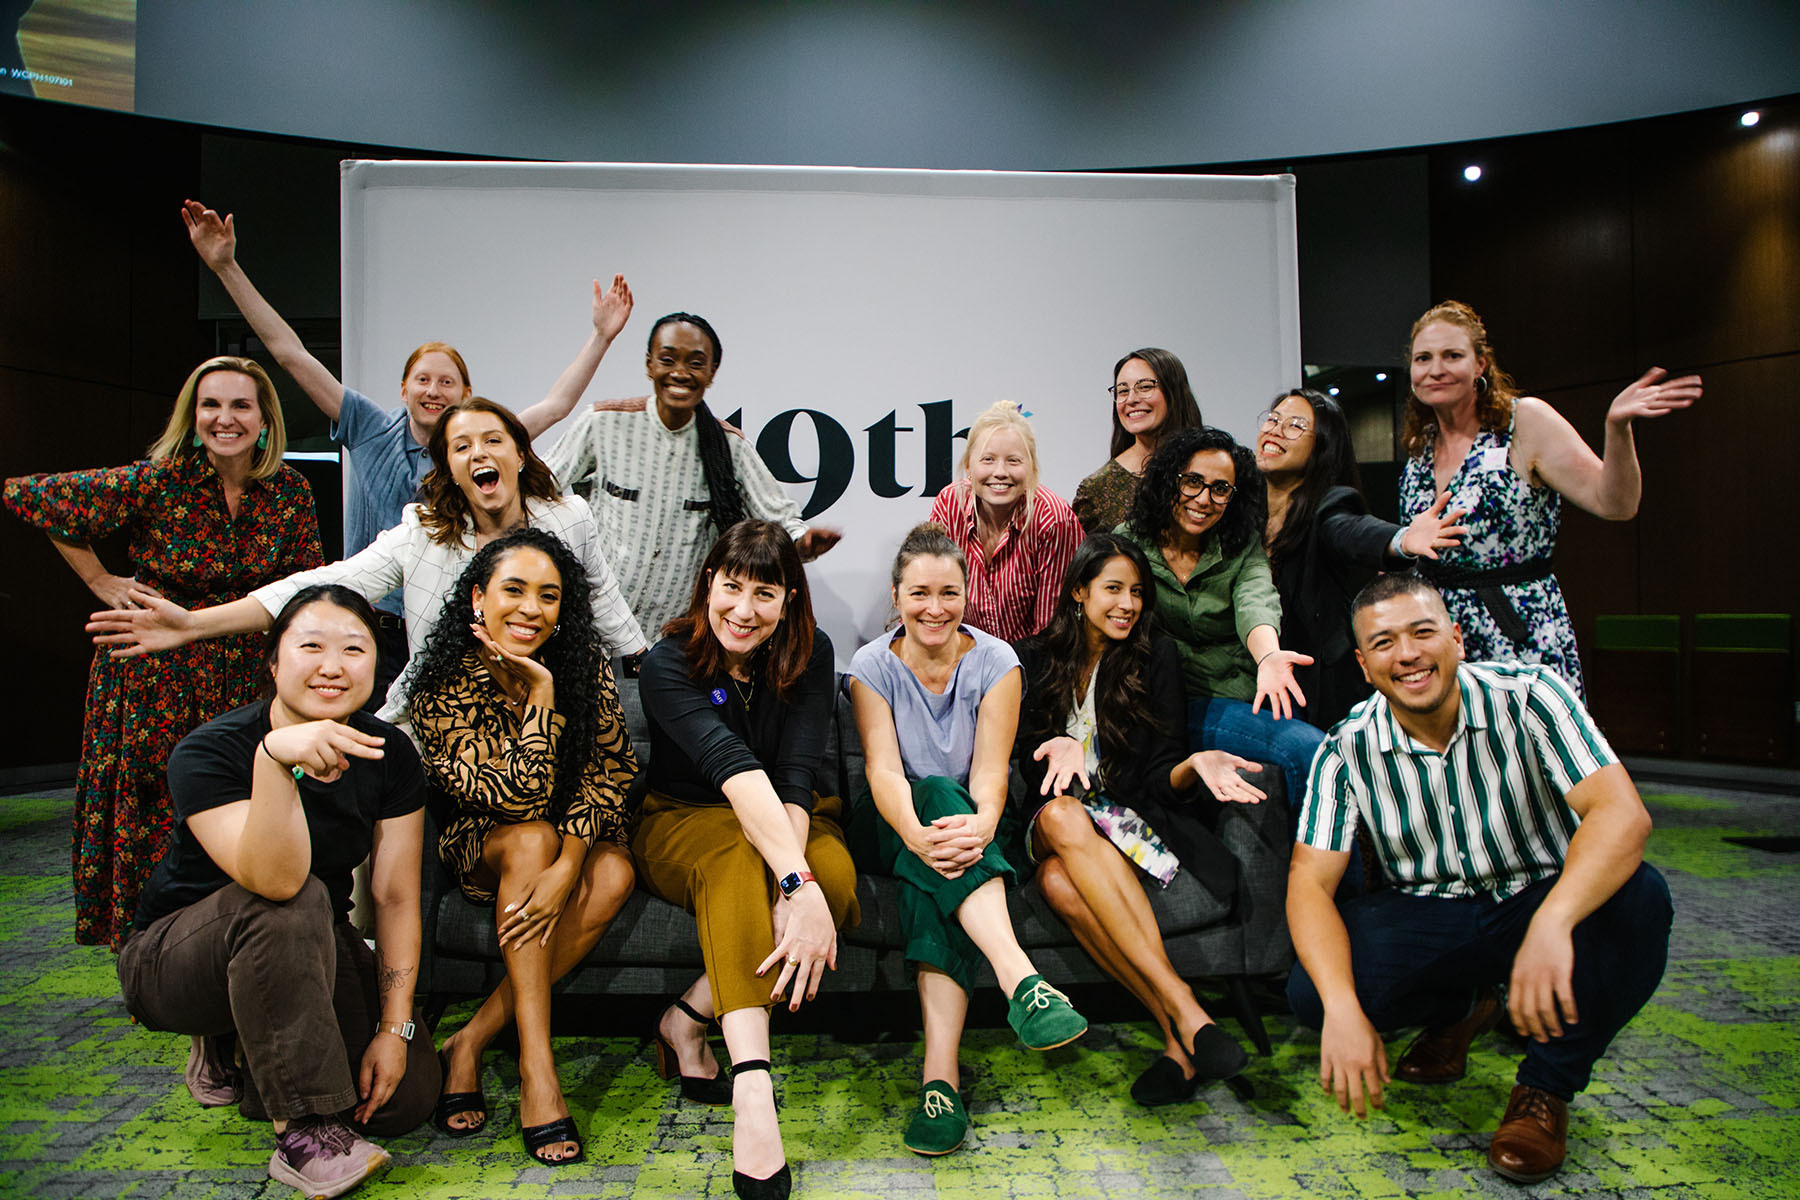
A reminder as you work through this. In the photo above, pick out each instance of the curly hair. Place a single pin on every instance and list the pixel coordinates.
(1333, 464)
(574, 653)
(762, 552)
(727, 498)
(1152, 515)
(1178, 394)
(443, 509)
(1121, 696)
(1495, 390)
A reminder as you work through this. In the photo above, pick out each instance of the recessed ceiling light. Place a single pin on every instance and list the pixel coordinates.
(1749, 118)
(1381, 377)
(1334, 391)
(1471, 172)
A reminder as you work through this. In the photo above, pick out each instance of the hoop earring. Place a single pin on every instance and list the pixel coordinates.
(262, 438)
(1481, 383)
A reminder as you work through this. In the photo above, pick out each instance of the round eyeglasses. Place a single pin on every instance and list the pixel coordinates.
(1142, 387)
(1290, 428)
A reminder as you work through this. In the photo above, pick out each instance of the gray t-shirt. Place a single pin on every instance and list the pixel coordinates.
(937, 733)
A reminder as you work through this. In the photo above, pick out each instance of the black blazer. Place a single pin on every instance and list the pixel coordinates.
(1139, 778)
(1344, 549)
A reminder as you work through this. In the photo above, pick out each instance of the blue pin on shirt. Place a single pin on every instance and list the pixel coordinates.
(718, 696)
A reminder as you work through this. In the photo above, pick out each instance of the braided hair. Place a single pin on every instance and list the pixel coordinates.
(715, 452)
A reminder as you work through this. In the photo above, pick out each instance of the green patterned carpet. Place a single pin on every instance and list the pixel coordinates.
(1700, 1097)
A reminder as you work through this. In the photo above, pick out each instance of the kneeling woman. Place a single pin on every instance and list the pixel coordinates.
(937, 704)
(1107, 785)
(739, 696)
(244, 926)
(518, 721)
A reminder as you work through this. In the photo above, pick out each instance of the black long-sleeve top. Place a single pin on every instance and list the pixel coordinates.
(704, 731)
(1343, 550)
(1139, 777)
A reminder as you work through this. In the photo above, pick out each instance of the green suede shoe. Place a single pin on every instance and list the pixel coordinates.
(1042, 1016)
(940, 1124)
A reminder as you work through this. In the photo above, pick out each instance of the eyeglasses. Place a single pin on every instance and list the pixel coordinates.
(1291, 428)
(1142, 387)
(1192, 484)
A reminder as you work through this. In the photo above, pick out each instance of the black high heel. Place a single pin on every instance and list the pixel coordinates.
(748, 1187)
(700, 1089)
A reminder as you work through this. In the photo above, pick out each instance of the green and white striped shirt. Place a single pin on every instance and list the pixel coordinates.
(1485, 817)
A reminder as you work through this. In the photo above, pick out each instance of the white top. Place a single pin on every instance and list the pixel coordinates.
(649, 494)
(406, 557)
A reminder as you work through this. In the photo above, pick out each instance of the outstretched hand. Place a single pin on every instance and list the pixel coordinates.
(214, 239)
(153, 624)
(1063, 760)
(612, 308)
(322, 749)
(1219, 772)
(1275, 683)
(1654, 394)
(1434, 529)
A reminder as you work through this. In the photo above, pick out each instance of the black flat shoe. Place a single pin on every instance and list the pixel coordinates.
(553, 1133)
(749, 1187)
(452, 1104)
(1216, 1055)
(1163, 1083)
(701, 1089)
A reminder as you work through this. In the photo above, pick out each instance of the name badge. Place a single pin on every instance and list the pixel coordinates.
(1494, 459)
(718, 696)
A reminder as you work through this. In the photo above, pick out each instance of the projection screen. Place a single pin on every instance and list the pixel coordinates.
(866, 315)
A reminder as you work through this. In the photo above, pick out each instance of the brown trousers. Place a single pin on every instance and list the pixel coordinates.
(298, 987)
(696, 855)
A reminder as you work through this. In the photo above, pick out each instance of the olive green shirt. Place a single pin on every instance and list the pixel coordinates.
(1210, 616)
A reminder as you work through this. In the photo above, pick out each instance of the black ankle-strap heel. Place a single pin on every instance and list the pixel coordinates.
(748, 1187)
(701, 1089)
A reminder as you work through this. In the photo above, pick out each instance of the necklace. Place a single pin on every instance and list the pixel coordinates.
(743, 696)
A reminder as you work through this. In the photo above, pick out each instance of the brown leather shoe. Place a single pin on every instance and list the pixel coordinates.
(1442, 1055)
(1533, 1136)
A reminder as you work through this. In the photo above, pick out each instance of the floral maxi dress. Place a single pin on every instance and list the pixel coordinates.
(186, 546)
(1510, 523)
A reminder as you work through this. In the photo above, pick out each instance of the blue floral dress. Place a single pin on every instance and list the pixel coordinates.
(1511, 523)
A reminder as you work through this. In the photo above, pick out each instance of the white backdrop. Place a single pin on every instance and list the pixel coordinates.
(871, 297)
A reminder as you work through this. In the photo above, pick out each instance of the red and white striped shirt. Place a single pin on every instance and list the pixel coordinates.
(1014, 594)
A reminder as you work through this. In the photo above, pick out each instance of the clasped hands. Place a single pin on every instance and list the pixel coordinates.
(950, 845)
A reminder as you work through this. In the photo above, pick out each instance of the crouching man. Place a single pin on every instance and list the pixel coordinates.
(1511, 841)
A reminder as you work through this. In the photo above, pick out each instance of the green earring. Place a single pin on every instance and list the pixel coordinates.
(262, 438)
(196, 439)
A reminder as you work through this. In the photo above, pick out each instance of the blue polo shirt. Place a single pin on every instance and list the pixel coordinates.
(383, 472)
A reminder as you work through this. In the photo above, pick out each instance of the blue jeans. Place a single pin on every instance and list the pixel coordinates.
(1215, 723)
(1417, 960)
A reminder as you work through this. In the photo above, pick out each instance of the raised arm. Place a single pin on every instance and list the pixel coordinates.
(215, 241)
(154, 624)
(1609, 486)
(612, 308)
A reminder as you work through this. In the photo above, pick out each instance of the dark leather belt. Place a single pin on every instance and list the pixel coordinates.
(1489, 586)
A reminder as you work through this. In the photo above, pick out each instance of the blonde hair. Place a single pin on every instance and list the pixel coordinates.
(1495, 390)
(178, 434)
(1005, 414)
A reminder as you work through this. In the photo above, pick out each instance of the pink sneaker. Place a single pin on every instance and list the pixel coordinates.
(212, 1075)
(323, 1157)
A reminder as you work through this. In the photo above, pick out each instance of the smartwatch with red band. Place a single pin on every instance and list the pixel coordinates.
(794, 881)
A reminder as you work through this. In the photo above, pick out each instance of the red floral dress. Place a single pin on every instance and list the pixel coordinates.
(184, 544)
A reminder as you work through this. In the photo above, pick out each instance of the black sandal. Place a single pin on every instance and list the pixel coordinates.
(700, 1089)
(553, 1133)
(749, 1187)
(452, 1104)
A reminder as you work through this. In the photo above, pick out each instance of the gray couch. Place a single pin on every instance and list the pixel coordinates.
(652, 948)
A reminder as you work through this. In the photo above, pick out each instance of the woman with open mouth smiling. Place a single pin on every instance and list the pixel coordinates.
(1108, 785)
(518, 722)
(1016, 535)
(485, 481)
(210, 513)
(1150, 398)
(739, 695)
(1199, 517)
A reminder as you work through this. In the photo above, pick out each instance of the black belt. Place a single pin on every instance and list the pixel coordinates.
(1488, 584)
